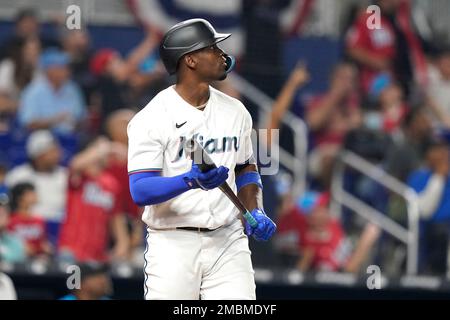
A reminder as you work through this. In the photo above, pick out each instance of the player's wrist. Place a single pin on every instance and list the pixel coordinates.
(211, 179)
(258, 212)
(190, 182)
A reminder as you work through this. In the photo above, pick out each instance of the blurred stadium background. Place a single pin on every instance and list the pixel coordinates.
(363, 115)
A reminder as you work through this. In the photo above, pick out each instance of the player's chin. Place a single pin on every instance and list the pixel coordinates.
(222, 76)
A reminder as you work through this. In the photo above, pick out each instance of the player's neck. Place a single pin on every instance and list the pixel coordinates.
(194, 94)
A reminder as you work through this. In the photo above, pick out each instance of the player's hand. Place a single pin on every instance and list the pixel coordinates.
(265, 229)
(206, 180)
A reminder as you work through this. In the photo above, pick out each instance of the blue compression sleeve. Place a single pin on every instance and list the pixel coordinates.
(149, 188)
(251, 177)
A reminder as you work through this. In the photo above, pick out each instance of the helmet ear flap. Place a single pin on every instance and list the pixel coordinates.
(231, 62)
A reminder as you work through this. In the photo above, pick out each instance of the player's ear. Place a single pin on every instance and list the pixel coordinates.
(190, 60)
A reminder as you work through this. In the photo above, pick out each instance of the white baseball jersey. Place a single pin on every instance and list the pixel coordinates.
(157, 135)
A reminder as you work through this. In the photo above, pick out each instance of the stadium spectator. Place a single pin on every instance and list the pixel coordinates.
(53, 101)
(16, 72)
(12, 247)
(26, 25)
(77, 45)
(93, 212)
(439, 88)
(117, 76)
(430, 181)
(432, 184)
(408, 150)
(116, 128)
(48, 177)
(294, 233)
(147, 81)
(392, 48)
(390, 103)
(95, 283)
(330, 117)
(262, 27)
(292, 225)
(323, 247)
(298, 78)
(30, 228)
(403, 156)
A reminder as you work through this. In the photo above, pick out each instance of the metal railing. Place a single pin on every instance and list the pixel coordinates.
(340, 198)
(296, 163)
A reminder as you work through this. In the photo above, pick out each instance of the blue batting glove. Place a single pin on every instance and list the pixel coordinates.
(265, 228)
(206, 180)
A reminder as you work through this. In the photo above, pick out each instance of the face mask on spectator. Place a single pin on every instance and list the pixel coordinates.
(373, 121)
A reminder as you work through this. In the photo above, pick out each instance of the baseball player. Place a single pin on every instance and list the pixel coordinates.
(196, 245)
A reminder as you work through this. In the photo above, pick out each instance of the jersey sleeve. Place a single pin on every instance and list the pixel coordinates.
(145, 146)
(245, 150)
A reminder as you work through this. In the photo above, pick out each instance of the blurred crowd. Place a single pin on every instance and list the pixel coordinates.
(63, 167)
(64, 109)
(388, 102)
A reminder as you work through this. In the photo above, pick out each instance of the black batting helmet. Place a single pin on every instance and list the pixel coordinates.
(188, 36)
